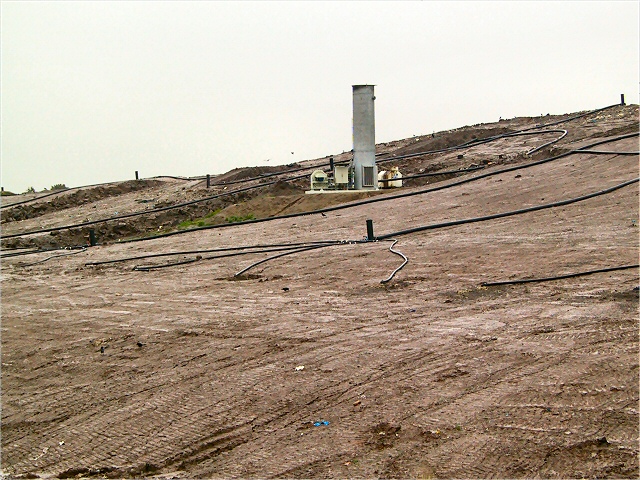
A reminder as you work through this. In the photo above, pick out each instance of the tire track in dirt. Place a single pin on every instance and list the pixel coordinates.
(372, 335)
(546, 365)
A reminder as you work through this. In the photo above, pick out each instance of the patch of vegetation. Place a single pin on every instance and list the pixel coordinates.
(6, 193)
(30, 190)
(236, 219)
(59, 186)
(213, 214)
(191, 224)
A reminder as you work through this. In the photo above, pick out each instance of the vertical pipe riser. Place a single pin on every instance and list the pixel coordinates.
(370, 236)
(364, 138)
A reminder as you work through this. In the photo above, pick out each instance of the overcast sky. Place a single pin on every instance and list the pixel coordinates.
(93, 91)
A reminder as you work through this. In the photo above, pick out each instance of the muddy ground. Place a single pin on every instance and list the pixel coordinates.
(309, 367)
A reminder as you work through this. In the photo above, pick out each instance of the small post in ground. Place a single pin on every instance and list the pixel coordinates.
(370, 237)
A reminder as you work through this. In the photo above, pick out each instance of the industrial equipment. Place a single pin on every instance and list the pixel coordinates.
(319, 180)
(362, 172)
(390, 178)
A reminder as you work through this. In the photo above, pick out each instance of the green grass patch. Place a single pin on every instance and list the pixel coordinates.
(236, 219)
(190, 224)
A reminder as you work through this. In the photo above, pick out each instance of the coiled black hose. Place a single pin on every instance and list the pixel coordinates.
(558, 277)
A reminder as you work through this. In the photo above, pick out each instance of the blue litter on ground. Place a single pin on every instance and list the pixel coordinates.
(320, 423)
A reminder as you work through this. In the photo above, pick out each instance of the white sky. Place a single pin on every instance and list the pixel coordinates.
(93, 91)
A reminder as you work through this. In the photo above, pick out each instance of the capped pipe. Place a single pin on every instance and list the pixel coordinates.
(370, 236)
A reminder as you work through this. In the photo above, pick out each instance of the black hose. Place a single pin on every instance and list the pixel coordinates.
(406, 260)
(601, 152)
(54, 256)
(508, 214)
(380, 199)
(148, 268)
(23, 252)
(37, 250)
(135, 214)
(304, 249)
(187, 179)
(590, 112)
(64, 190)
(475, 143)
(56, 192)
(431, 174)
(449, 224)
(267, 175)
(212, 250)
(456, 147)
(157, 210)
(556, 140)
(557, 277)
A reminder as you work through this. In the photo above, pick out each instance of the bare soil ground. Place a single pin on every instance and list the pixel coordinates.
(308, 366)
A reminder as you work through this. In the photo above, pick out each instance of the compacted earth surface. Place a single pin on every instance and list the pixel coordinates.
(159, 358)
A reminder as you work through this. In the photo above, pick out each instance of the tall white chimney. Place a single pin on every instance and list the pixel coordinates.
(364, 138)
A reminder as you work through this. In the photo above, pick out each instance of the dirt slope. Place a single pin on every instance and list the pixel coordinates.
(188, 372)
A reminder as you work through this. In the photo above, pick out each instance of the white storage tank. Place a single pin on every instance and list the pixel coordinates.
(393, 177)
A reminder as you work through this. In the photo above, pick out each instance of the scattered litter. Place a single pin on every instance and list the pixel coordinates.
(44, 452)
(285, 289)
(61, 442)
(320, 423)
(356, 403)
(299, 368)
